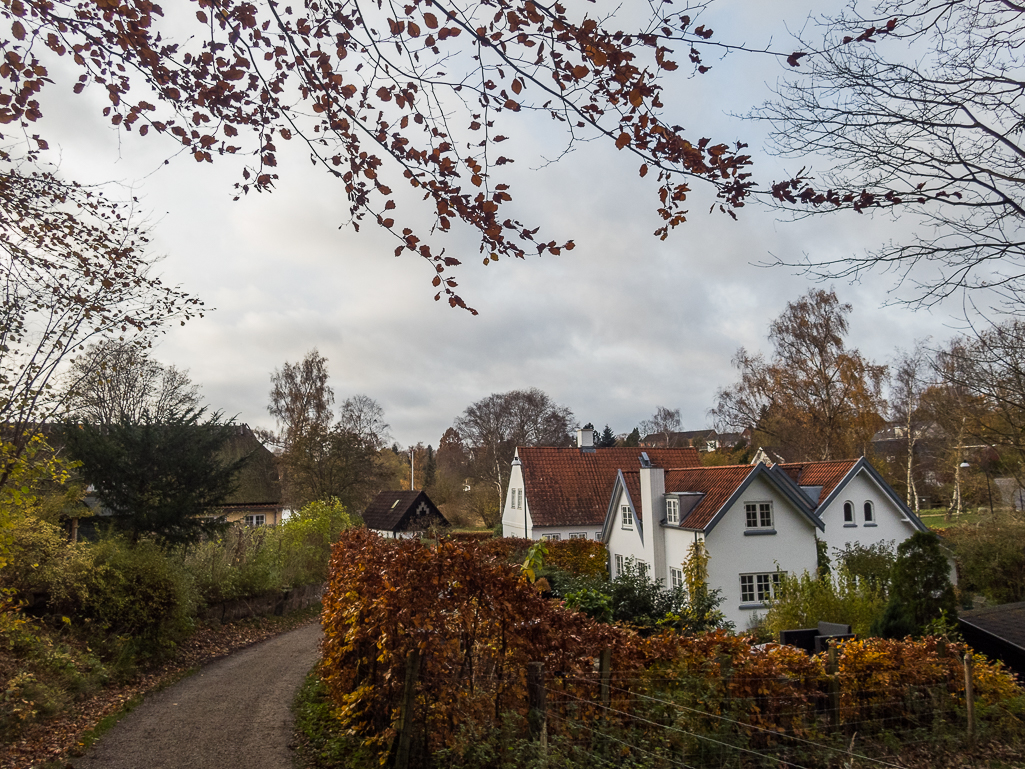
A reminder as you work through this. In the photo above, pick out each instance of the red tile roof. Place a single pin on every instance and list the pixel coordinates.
(717, 484)
(570, 487)
(825, 474)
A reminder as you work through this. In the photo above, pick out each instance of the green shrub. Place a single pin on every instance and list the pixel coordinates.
(133, 599)
(307, 537)
(241, 563)
(872, 564)
(246, 562)
(805, 600)
(990, 557)
(636, 599)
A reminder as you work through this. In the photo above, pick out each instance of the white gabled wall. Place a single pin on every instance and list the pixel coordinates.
(516, 522)
(625, 542)
(734, 550)
(890, 523)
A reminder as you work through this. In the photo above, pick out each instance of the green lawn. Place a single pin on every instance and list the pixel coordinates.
(937, 518)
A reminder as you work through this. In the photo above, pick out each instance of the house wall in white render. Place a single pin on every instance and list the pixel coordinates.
(628, 543)
(733, 550)
(890, 524)
(515, 521)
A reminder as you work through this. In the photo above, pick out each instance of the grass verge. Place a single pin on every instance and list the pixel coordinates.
(318, 742)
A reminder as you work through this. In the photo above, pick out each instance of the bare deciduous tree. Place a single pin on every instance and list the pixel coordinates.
(363, 416)
(916, 109)
(300, 399)
(114, 381)
(664, 422)
(910, 372)
(494, 426)
(73, 269)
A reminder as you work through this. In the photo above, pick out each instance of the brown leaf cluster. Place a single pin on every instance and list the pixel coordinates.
(377, 95)
(477, 625)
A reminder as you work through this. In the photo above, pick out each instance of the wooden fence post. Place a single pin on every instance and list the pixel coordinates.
(969, 693)
(605, 675)
(537, 705)
(408, 701)
(833, 668)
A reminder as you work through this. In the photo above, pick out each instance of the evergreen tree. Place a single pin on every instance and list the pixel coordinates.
(920, 589)
(607, 439)
(159, 478)
(634, 438)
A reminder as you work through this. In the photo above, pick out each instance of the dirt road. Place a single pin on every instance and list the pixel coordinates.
(233, 713)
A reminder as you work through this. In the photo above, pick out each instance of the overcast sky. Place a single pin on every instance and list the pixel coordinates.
(620, 325)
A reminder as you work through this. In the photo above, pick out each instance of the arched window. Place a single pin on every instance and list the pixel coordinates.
(848, 512)
(869, 513)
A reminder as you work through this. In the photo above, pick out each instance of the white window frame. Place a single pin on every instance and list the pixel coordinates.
(578, 535)
(757, 588)
(672, 510)
(619, 564)
(675, 578)
(256, 519)
(597, 536)
(552, 537)
(758, 515)
(626, 517)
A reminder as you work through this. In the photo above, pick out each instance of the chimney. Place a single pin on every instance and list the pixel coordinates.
(653, 495)
(585, 439)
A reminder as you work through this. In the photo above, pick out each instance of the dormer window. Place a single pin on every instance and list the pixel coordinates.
(627, 517)
(672, 510)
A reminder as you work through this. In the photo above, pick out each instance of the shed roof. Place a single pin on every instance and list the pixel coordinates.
(393, 510)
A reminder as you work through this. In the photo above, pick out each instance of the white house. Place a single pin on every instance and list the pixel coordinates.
(563, 493)
(756, 521)
(854, 502)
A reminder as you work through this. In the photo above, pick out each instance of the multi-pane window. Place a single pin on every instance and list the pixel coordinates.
(848, 512)
(628, 517)
(758, 588)
(578, 535)
(869, 513)
(759, 515)
(597, 536)
(676, 577)
(619, 565)
(517, 499)
(552, 537)
(256, 520)
(672, 510)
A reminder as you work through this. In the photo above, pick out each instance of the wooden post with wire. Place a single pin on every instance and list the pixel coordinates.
(408, 702)
(832, 669)
(604, 676)
(969, 693)
(537, 707)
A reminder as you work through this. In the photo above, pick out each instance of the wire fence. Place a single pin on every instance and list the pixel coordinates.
(594, 721)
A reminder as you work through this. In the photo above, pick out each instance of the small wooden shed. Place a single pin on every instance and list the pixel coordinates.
(402, 514)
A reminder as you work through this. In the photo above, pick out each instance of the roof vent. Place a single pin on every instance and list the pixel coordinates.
(645, 461)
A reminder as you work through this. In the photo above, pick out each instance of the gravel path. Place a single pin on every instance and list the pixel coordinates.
(232, 713)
